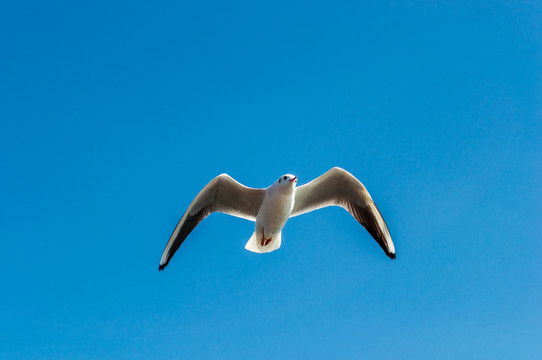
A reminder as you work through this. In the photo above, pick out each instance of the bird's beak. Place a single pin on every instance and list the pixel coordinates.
(294, 179)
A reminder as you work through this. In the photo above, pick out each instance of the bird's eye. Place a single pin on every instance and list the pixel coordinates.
(285, 178)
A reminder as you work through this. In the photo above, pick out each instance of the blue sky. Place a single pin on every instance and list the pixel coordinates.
(115, 115)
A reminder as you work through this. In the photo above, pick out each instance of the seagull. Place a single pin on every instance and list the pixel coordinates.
(270, 208)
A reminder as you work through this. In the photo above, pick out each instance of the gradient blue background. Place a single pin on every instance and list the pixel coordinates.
(114, 115)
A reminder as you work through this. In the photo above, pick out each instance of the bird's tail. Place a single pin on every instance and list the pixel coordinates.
(255, 243)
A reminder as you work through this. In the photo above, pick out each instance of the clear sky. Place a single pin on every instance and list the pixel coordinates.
(115, 114)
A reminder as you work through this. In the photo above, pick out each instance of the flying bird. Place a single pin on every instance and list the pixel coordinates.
(270, 208)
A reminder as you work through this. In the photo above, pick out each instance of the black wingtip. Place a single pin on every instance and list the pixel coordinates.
(392, 256)
(161, 267)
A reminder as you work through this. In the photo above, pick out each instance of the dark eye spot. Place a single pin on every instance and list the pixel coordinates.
(280, 180)
(285, 178)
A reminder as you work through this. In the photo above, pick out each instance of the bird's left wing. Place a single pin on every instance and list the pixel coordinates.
(340, 188)
(222, 194)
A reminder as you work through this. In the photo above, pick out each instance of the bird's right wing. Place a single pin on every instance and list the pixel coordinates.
(338, 187)
(222, 194)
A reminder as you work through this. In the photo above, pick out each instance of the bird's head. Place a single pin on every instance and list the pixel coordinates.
(287, 181)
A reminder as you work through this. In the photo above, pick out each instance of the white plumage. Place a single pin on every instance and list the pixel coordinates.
(270, 208)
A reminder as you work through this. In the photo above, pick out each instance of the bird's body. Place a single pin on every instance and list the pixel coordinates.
(272, 216)
(272, 207)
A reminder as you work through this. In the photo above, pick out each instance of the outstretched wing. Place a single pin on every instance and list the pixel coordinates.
(222, 194)
(338, 187)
